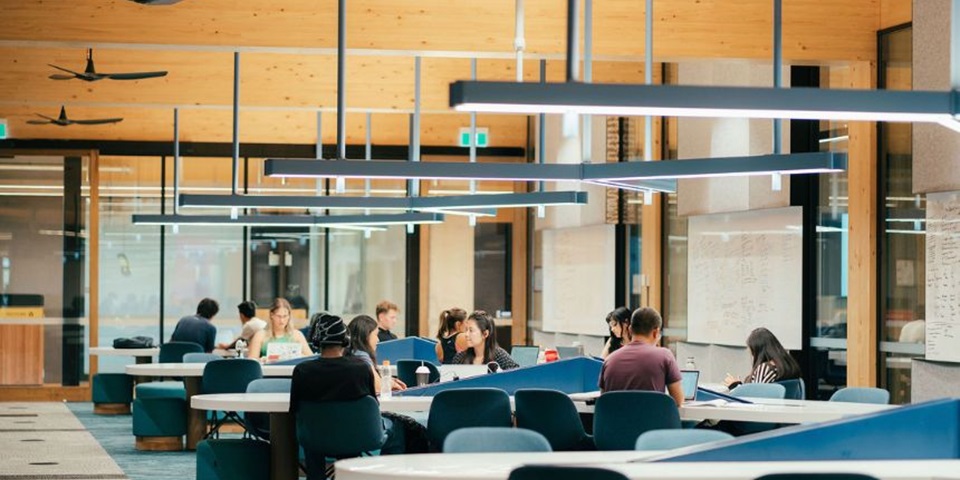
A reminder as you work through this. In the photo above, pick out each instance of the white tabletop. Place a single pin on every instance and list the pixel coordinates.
(469, 465)
(280, 402)
(497, 466)
(195, 370)
(125, 352)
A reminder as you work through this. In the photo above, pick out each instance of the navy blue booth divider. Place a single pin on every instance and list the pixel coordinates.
(575, 375)
(925, 431)
(410, 348)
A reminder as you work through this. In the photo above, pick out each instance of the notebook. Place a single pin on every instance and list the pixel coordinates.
(525, 355)
(688, 382)
(277, 351)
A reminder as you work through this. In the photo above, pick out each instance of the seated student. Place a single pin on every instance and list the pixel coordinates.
(336, 377)
(280, 330)
(771, 362)
(363, 334)
(199, 328)
(450, 342)
(482, 345)
(642, 364)
(250, 324)
(619, 323)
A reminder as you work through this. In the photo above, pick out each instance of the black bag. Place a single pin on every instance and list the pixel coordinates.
(135, 342)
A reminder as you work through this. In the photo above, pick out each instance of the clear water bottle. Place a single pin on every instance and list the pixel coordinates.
(690, 365)
(241, 348)
(386, 380)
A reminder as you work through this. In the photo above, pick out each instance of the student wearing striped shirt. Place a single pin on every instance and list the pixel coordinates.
(771, 362)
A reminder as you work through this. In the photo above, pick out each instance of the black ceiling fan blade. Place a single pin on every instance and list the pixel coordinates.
(60, 76)
(133, 76)
(46, 117)
(97, 121)
(39, 122)
(75, 74)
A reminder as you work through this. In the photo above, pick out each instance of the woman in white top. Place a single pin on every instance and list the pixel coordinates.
(280, 330)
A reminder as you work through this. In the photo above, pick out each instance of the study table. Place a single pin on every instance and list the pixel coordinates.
(497, 466)
(140, 355)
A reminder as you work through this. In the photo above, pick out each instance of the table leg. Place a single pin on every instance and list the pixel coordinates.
(140, 360)
(284, 451)
(196, 419)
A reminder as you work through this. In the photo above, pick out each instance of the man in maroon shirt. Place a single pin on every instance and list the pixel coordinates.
(641, 364)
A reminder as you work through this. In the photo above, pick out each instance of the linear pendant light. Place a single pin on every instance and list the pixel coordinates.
(357, 221)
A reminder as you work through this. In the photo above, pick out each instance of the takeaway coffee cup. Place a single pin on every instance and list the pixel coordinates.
(423, 375)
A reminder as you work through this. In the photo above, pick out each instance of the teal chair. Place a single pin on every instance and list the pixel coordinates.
(674, 438)
(111, 393)
(817, 476)
(495, 439)
(337, 430)
(794, 388)
(258, 423)
(552, 414)
(229, 376)
(620, 417)
(760, 390)
(466, 407)
(173, 352)
(407, 371)
(233, 459)
(159, 423)
(861, 395)
(545, 472)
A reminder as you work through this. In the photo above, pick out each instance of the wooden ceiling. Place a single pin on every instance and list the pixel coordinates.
(288, 63)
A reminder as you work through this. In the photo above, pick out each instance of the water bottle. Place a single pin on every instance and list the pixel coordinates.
(241, 348)
(691, 365)
(423, 375)
(386, 380)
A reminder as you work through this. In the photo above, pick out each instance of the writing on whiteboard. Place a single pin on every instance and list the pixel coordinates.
(943, 277)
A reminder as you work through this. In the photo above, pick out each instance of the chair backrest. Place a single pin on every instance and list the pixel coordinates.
(495, 439)
(676, 438)
(258, 423)
(407, 371)
(760, 390)
(620, 417)
(194, 357)
(552, 414)
(861, 395)
(546, 472)
(173, 352)
(339, 429)
(816, 476)
(795, 388)
(230, 376)
(466, 407)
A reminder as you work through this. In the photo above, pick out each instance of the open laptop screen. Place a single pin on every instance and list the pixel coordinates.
(688, 382)
(525, 355)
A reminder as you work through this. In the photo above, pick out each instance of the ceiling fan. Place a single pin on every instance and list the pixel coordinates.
(90, 73)
(63, 121)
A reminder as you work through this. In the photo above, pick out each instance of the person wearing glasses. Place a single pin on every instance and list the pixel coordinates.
(482, 348)
(279, 330)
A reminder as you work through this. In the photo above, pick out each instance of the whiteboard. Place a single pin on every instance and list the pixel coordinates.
(943, 277)
(578, 279)
(744, 271)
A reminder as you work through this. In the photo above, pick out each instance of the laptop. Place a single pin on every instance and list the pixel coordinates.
(569, 352)
(525, 355)
(278, 351)
(688, 382)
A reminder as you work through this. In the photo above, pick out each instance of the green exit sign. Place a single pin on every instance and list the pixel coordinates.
(4, 132)
(482, 138)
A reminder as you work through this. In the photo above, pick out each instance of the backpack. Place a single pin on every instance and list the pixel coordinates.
(135, 342)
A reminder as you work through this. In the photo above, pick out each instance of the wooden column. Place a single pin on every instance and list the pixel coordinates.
(93, 236)
(862, 322)
(651, 233)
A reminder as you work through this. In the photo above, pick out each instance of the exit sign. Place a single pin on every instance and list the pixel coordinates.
(4, 132)
(482, 139)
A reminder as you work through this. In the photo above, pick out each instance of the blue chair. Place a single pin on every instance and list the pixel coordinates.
(795, 388)
(760, 390)
(552, 414)
(194, 357)
(861, 395)
(407, 371)
(258, 423)
(173, 352)
(233, 459)
(620, 417)
(228, 376)
(337, 430)
(159, 424)
(111, 393)
(495, 439)
(466, 407)
(545, 472)
(673, 438)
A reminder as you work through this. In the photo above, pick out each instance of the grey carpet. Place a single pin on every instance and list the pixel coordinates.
(115, 434)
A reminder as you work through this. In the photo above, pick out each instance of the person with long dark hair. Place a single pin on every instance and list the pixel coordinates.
(449, 338)
(363, 337)
(482, 345)
(771, 362)
(619, 323)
